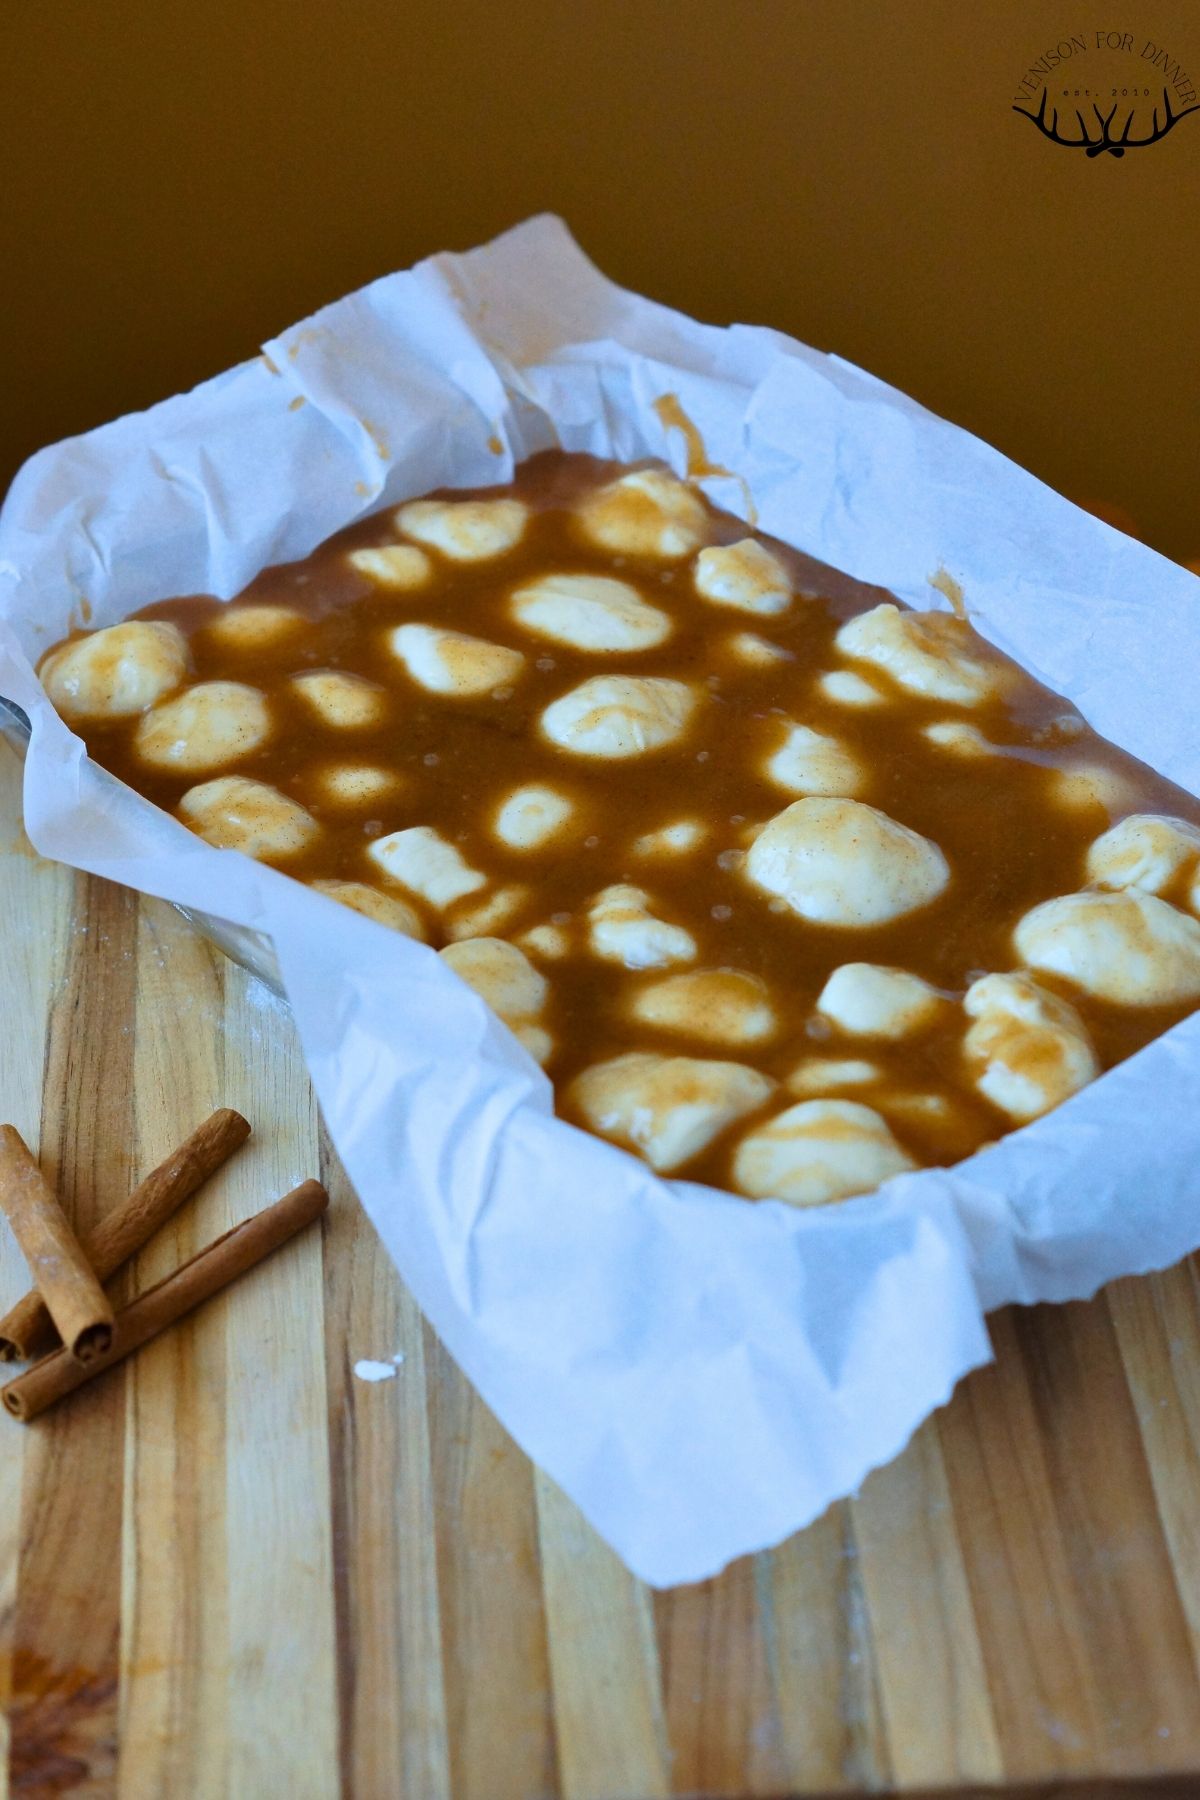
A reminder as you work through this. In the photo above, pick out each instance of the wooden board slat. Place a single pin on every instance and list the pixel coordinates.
(30, 959)
(937, 1708)
(603, 1661)
(174, 1638)
(821, 1648)
(67, 1612)
(389, 1626)
(237, 1568)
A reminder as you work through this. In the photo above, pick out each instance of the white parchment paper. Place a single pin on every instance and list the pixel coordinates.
(701, 1375)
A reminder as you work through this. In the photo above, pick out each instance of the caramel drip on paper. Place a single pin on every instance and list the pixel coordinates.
(673, 418)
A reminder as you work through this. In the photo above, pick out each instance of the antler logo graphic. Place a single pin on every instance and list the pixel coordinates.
(1105, 142)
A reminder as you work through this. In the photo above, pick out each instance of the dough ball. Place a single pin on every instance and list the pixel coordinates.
(421, 860)
(532, 816)
(668, 1108)
(253, 626)
(212, 724)
(826, 1074)
(451, 662)
(645, 513)
(235, 813)
(838, 862)
(1147, 851)
(922, 1109)
(465, 530)
(619, 715)
(1027, 1050)
(550, 942)
(116, 673)
(500, 974)
(345, 702)
(535, 1039)
(849, 689)
(808, 762)
(754, 651)
(401, 567)
(869, 1000)
(590, 612)
(485, 917)
(355, 784)
(624, 930)
(932, 654)
(506, 980)
(1130, 947)
(671, 840)
(817, 1151)
(723, 1006)
(956, 735)
(946, 1132)
(1083, 787)
(744, 575)
(385, 909)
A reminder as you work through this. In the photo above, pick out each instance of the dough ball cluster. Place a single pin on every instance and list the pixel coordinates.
(695, 782)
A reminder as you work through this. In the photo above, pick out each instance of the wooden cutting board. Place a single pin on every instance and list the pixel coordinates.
(237, 1569)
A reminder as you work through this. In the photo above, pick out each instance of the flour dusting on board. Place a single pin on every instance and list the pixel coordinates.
(264, 999)
(368, 1370)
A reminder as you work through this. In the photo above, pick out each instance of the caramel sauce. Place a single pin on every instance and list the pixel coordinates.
(1009, 842)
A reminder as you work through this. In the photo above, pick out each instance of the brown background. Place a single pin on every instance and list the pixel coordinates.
(178, 181)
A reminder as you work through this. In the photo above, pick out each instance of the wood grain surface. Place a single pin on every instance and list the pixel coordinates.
(234, 1568)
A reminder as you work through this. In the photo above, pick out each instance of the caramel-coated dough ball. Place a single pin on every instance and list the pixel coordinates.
(116, 673)
(207, 727)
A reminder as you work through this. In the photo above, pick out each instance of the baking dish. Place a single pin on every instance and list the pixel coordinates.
(248, 948)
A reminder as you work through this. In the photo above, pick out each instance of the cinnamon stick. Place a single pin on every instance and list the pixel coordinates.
(240, 1250)
(28, 1331)
(82, 1313)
